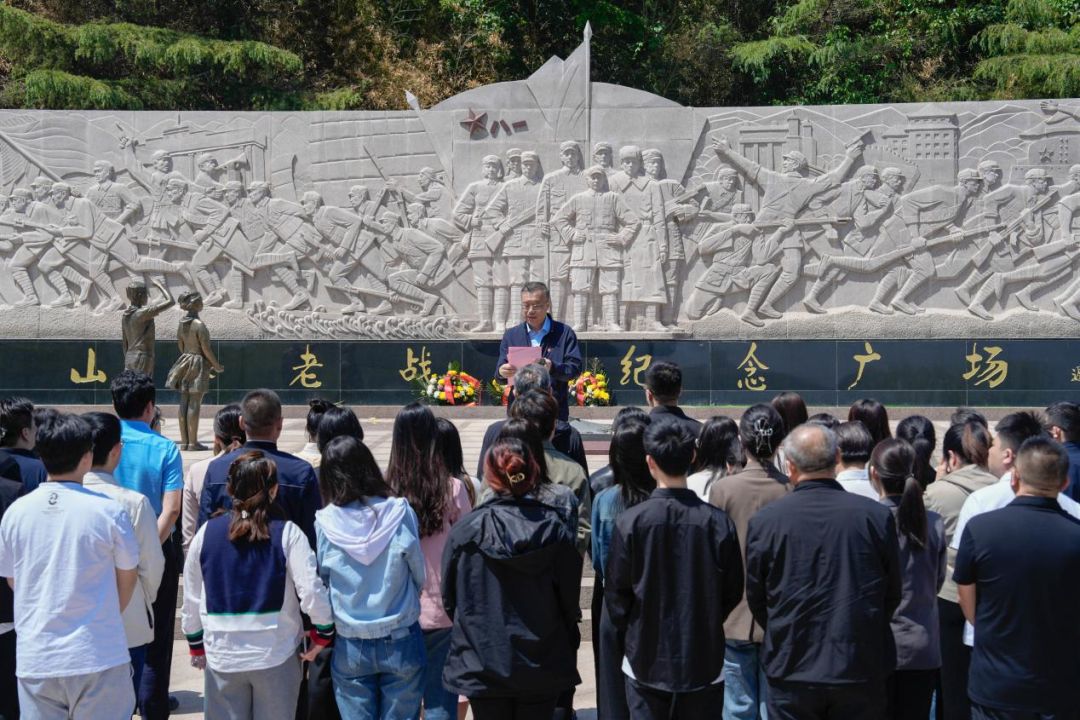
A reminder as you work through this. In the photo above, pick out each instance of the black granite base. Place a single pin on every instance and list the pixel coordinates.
(898, 372)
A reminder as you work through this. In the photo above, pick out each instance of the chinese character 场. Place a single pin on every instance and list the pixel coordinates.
(416, 367)
(752, 367)
(92, 373)
(863, 361)
(307, 377)
(628, 367)
(993, 372)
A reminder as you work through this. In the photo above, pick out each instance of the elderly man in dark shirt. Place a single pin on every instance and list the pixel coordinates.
(1018, 576)
(823, 579)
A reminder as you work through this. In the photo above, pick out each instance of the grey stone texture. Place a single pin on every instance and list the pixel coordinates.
(876, 221)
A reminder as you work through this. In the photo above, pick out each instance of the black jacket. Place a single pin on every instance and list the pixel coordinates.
(673, 574)
(511, 581)
(674, 412)
(823, 579)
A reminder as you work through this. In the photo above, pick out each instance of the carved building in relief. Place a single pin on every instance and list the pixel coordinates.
(706, 222)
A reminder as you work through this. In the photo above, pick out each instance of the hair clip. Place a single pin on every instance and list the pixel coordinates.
(516, 478)
(244, 515)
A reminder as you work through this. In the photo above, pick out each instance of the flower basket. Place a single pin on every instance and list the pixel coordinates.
(590, 388)
(454, 387)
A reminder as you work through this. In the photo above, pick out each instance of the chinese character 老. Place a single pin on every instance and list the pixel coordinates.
(416, 367)
(307, 377)
(752, 367)
(628, 368)
(993, 372)
(863, 361)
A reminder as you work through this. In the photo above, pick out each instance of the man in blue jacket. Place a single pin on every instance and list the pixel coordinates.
(559, 351)
(298, 487)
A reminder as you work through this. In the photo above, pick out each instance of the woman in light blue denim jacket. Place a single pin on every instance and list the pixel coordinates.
(633, 484)
(369, 556)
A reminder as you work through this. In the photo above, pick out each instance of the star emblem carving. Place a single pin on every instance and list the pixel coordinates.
(1046, 155)
(474, 123)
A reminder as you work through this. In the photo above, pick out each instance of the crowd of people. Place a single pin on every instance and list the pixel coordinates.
(769, 565)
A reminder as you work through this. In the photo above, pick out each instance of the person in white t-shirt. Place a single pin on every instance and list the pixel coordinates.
(71, 557)
(855, 443)
(1009, 434)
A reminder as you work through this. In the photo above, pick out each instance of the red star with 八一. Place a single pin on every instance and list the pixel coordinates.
(474, 123)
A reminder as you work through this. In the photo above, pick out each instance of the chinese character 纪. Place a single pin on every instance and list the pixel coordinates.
(993, 372)
(306, 377)
(416, 367)
(628, 367)
(752, 367)
(92, 373)
(863, 361)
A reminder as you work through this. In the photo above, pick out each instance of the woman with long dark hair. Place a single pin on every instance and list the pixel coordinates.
(919, 432)
(337, 421)
(719, 453)
(369, 553)
(741, 495)
(448, 444)
(511, 582)
(418, 472)
(915, 623)
(873, 415)
(792, 409)
(633, 483)
(247, 578)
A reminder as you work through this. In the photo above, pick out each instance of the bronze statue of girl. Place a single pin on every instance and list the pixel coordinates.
(190, 374)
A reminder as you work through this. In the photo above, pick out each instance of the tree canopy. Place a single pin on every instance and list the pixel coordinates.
(364, 54)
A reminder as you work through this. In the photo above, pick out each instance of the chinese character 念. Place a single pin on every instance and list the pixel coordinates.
(306, 377)
(993, 373)
(751, 366)
(416, 366)
(627, 363)
(863, 361)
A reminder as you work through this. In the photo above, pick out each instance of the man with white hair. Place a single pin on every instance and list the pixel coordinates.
(823, 578)
(470, 217)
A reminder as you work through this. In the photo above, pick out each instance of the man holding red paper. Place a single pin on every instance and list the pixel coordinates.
(555, 343)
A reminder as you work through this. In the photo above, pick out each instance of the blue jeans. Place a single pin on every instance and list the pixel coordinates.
(138, 660)
(379, 679)
(439, 703)
(745, 686)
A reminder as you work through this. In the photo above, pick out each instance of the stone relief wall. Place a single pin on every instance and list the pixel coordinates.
(644, 217)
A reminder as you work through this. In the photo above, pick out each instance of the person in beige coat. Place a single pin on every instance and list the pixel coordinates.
(761, 430)
(139, 612)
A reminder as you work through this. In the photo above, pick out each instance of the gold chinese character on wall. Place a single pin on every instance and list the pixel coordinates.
(987, 369)
(416, 367)
(864, 359)
(633, 366)
(92, 374)
(307, 377)
(752, 368)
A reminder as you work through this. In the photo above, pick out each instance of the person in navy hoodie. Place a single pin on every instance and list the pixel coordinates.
(559, 351)
(298, 488)
(17, 435)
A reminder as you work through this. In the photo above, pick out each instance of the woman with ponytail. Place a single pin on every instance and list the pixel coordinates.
(228, 435)
(247, 579)
(919, 432)
(761, 430)
(915, 624)
(511, 580)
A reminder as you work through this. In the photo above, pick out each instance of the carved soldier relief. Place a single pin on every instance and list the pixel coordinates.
(644, 217)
